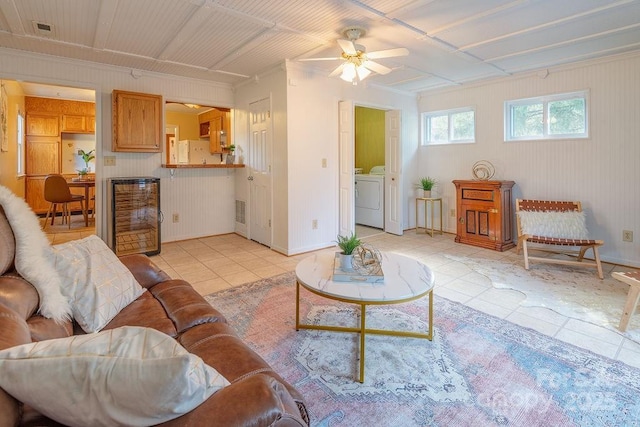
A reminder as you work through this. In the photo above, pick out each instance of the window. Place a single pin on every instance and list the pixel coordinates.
(20, 142)
(449, 127)
(549, 117)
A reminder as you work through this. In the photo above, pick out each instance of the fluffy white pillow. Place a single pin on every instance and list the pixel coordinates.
(98, 284)
(32, 259)
(563, 225)
(125, 376)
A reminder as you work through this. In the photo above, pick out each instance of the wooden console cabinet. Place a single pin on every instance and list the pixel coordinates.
(485, 214)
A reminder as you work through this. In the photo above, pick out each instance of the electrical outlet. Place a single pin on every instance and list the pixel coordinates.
(176, 217)
(627, 236)
(324, 163)
(452, 212)
(314, 224)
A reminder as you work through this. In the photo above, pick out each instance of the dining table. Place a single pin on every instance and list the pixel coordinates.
(87, 185)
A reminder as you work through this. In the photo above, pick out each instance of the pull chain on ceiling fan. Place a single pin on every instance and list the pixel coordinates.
(357, 64)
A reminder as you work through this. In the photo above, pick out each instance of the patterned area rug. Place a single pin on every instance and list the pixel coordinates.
(571, 291)
(478, 370)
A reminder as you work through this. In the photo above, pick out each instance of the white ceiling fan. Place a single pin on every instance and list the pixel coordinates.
(357, 63)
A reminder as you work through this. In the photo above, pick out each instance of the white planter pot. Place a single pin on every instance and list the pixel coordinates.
(426, 194)
(346, 262)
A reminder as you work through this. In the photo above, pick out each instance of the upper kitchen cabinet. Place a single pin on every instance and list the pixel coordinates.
(42, 124)
(74, 123)
(137, 122)
(217, 125)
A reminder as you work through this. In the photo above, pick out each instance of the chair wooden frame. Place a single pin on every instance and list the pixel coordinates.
(554, 242)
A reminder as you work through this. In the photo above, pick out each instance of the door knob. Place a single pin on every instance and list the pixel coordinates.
(250, 178)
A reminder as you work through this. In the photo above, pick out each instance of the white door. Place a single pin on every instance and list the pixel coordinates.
(346, 147)
(260, 172)
(393, 173)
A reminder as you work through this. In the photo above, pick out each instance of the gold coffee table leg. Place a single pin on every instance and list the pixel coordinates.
(297, 305)
(363, 311)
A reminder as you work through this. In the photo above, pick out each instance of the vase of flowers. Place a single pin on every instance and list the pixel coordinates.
(87, 156)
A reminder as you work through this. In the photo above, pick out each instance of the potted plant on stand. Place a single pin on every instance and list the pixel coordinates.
(87, 156)
(427, 184)
(347, 244)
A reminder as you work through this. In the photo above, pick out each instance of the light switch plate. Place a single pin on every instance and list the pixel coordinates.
(109, 160)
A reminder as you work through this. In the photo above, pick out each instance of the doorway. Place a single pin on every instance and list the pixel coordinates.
(59, 138)
(259, 169)
(391, 200)
(369, 194)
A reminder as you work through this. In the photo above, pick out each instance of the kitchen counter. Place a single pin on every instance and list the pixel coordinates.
(202, 166)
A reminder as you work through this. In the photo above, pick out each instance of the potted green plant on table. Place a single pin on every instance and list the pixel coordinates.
(427, 183)
(347, 244)
(87, 156)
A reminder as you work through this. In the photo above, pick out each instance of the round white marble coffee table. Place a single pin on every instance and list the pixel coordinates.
(405, 279)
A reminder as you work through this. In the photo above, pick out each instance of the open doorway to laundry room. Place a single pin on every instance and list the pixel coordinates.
(390, 201)
(369, 168)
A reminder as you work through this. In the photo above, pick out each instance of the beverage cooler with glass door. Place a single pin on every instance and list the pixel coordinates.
(134, 223)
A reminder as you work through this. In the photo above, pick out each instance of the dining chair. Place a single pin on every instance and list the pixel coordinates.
(56, 191)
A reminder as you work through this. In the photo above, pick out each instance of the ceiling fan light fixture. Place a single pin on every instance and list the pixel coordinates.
(194, 106)
(363, 72)
(348, 72)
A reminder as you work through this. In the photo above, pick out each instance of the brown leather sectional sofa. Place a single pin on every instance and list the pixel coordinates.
(257, 396)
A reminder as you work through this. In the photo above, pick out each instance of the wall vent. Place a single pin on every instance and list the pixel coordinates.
(240, 211)
(42, 28)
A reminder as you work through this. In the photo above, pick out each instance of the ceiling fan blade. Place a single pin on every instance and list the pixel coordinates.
(400, 51)
(338, 70)
(320, 59)
(378, 68)
(347, 46)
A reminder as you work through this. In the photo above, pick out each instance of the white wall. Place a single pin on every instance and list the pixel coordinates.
(305, 122)
(203, 197)
(602, 172)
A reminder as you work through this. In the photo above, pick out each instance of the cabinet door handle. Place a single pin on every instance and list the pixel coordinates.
(493, 210)
(461, 220)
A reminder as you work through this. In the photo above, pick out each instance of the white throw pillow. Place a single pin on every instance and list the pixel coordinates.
(125, 376)
(563, 225)
(98, 284)
(32, 259)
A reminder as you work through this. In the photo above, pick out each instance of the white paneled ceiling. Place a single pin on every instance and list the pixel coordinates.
(450, 42)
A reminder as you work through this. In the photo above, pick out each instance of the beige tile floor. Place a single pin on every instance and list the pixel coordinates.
(220, 262)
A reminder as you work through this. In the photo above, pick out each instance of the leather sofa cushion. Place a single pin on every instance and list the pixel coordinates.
(7, 244)
(184, 306)
(145, 311)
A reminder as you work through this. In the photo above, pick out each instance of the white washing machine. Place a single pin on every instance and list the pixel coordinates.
(369, 192)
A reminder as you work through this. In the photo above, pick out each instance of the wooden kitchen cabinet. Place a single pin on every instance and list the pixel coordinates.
(72, 123)
(485, 214)
(215, 124)
(34, 192)
(215, 127)
(137, 122)
(42, 155)
(43, 124)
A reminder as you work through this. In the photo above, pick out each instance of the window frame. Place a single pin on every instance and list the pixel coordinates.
(545, 101)
(20, 143)
(426, 120)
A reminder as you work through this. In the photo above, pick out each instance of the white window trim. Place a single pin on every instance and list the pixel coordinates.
(425, 131)
(21, 144)
(545, 101)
